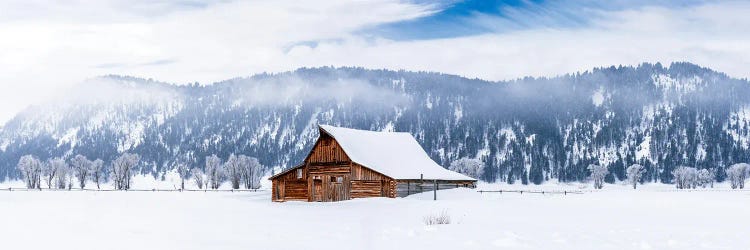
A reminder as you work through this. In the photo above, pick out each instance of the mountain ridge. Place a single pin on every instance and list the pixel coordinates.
(530, 129)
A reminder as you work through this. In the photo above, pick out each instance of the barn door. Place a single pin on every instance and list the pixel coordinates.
(336, 189)
(317, 190)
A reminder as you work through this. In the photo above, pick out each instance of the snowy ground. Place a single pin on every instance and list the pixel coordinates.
(615, 218)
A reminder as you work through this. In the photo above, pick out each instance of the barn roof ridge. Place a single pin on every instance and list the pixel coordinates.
(394, 154)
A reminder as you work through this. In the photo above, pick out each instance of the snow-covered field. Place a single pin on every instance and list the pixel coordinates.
(614, 218)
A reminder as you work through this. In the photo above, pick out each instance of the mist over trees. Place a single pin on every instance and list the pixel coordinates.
(529, 130)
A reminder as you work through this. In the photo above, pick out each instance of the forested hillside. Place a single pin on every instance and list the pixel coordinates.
(529, 130)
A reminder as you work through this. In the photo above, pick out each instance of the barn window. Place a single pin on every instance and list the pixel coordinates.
(339, 179)
(333, 179)
(299, 173)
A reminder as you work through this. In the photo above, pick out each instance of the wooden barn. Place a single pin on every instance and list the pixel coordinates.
(348, 163)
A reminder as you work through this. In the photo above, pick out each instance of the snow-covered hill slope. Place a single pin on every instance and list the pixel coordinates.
(530, 130)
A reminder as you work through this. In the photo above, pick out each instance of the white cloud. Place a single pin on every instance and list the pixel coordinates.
(48, 47)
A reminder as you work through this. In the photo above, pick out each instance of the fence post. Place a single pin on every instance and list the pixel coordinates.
(434, 190)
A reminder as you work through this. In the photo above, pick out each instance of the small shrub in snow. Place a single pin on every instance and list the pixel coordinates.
(471, 167)
(437, 219)
(737, 174)
(634, 173)
(597, 175)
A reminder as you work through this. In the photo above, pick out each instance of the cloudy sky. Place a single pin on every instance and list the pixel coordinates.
(49, 45)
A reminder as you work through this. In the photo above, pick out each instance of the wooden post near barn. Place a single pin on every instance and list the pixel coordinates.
(434, 190)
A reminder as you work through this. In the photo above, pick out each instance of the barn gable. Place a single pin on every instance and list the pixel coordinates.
(397, 155)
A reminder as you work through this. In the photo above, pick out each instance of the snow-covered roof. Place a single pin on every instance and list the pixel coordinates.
(395, 154)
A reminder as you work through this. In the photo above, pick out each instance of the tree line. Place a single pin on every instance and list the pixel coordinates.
(59, 173)
(683, 177)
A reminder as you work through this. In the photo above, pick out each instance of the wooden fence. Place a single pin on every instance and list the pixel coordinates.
(12, 189)
(564, 192)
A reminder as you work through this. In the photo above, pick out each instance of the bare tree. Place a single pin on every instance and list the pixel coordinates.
(214, 171)
(31, 169)
(233, 168)
(51, 168)
(685, 177)
(469, 166)
(81, 167)
(63, 172)
(55, 167)
(184, 172)
(706, 177)
(634, 173)
(199, 177)
(123, 169)
(251, 171)
(597, 174)
(97, 171)
(737, 174)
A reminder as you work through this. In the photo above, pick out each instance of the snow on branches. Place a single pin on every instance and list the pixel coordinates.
(471, 167)
(737, 174)
(634, 173)
(597, 175)
(31, 169)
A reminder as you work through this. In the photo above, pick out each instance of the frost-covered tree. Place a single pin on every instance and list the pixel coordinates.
(706, 177)
(97, 171)
(737, 174)
(56, 166)
(184, 172)
(252, 171)
(81, 167)
(62, 176)
(199, 177)
(634, 173)
(233, 168)
(469, 166)
(123, 169)
(214, 171)
(31, 169)
(685, 177)
(598, 173)
(51, 169)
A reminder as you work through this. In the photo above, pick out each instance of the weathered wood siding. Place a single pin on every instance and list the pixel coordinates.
(368, 183)
(287, 185)
(326, 151)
